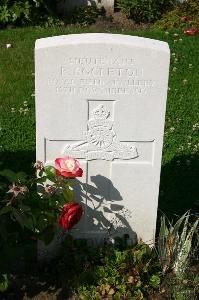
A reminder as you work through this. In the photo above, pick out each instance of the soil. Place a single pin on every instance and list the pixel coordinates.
(117, 21)
(37, 285)
(113, 21)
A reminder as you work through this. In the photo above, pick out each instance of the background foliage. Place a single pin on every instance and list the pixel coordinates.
(19, 12)
(145, 10)
(184, 15)
(40, 12)
(84, 15)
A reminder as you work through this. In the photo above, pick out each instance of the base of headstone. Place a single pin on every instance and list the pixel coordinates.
(48, 252)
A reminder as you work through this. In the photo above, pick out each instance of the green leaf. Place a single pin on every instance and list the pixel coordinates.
(59, 201)
(68, 195)
(49, 170)
(12, 176)
(50, 173)
(41, 179)
(162, 241)
(21, 176)
(6, 209)
(183, 253)
(8, 174)
(3, 282)
(23, 207)
(154, 281)
(174, 244)
(47, 234)
(24, 219)
(178, 224)
(19, 218)
(28, 221)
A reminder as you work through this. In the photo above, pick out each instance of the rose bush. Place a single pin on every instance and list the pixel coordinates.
(68, 167)
(71, 214)
(38, 215)
(27, 216)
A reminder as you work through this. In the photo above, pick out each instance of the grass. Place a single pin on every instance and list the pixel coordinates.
(180, 164)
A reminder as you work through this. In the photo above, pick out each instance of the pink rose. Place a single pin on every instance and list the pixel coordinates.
(71, 214)
(191, 31)
(68, 167)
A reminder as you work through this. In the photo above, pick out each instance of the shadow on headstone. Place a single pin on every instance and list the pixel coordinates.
(101, 212)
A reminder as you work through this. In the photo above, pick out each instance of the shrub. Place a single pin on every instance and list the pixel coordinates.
(145, 10)
(186, 14)
(26, 12)
(191, 7)
(85, 15)
(26, 216)
(132, 273)
(175, 244)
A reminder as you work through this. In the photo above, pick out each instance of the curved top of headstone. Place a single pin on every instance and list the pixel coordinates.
(105, 38)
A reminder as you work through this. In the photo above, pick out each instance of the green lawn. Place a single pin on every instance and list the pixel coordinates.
(179, 180)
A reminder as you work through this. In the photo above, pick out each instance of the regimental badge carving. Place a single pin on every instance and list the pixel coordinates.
(101, 141)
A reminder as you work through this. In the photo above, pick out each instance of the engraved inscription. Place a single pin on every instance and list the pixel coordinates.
(101, 141)
(98, 90)
(100, 61)
(101, 72)
(100, 75)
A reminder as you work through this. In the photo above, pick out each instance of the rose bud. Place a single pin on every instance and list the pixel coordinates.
(23, 189)
(68, 167)
(191, 31)
(48, 189)
(71, 214)
(39, 165)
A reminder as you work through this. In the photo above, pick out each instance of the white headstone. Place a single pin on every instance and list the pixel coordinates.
(101, 98)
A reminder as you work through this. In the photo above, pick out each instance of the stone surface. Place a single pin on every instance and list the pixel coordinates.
(101, 98)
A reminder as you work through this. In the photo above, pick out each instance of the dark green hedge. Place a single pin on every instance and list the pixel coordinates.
(18, 12)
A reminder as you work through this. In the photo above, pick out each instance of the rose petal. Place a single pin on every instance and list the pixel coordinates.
(68, 167)
(71, 214)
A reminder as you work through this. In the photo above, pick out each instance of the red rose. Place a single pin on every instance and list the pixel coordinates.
(191, 31)
(68, 167)
(71, 214)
